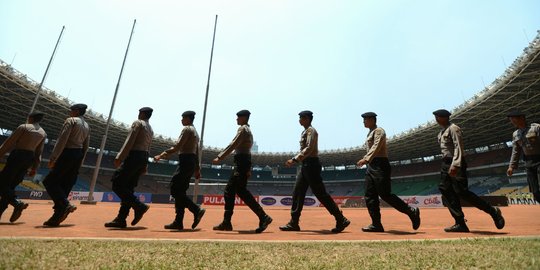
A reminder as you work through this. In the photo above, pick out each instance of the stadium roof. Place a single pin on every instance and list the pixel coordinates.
(482, 118)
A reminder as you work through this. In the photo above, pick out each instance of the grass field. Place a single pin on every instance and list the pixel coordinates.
(494, 253)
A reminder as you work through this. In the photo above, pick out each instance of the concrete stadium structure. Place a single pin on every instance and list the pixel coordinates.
(482, 118)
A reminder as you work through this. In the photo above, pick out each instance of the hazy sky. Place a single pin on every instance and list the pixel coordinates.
(401, 59)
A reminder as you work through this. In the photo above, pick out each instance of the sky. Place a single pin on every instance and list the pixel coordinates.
(339, 59)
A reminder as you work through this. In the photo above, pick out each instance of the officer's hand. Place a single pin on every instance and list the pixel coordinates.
(361, 163)
(32, 172)
(198, 174)
(510, 171)
(145, 170)
(453, 171)
(157, 157)
(215, 161)
(50, 165)
(289, 163)
(117, 163)
(248, 174)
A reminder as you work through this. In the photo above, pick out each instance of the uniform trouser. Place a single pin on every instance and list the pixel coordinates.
(12, 175)
(532, 165)
(180, 185)
(378, 184)
(454, 188)
(126, 178)
(237, 186)
(310, 176)
(63, 177)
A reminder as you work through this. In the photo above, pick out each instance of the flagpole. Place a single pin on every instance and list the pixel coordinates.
(101, 148)
(196, 186)
(46, 71)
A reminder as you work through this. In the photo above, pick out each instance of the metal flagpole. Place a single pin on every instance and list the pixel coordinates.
(196, 186)
(101, 148)
(46, 70)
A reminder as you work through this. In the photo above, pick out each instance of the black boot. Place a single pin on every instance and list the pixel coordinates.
(139, 213)
(175, 225)
(17, 211)
(225, 225)
(373, 228)
(292, 226)
(460, 226)
(54, 220)
(70, 208)
(498, 218)
(197, 218)
(415, 217)
(116, 223)
(341, 223)
(263, 223)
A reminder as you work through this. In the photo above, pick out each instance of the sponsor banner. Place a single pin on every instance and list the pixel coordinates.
(220, 200)
(423, 201)
(83, 196)
(112, 197)
(269, 200)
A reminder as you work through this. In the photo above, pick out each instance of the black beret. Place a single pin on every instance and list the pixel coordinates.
(442, 113)
(369, 114)
(36, 113)
(78, 106)
(146, 109)
(515, 113)
(243, 113)
(189, 113)
(306, 113)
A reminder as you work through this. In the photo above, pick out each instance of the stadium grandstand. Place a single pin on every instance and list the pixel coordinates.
(414, 155)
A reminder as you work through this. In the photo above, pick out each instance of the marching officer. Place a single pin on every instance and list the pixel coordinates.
(130, 163)
(25, 146)
(526, 142)
(378, 183)
(189, 153)
(64, 163)
(454, 182)
(310, 176)
(241, 144)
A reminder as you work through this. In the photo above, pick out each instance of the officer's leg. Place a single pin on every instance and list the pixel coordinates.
(461, 187)
(299, 195)
(533, 175)
(178, 191)
(384, 188)
(449, 196)
(229, 196)
(313, 175)
(372, 199)
(52, 183)
(245, 194)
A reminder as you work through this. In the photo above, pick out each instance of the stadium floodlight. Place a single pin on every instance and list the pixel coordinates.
(196, 185)
(101, 148)
(47, 70)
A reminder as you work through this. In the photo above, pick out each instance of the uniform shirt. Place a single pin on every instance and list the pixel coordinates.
(139, 139)
(308, 144)
(74, 134)
(30, 137)
(241, 144)
(451, 142)
(376, 144)
(526, 141)
(188, 142)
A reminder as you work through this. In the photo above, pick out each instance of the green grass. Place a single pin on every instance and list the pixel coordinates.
(501, 253)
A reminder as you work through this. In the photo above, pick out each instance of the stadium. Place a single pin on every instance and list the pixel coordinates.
(415, 157)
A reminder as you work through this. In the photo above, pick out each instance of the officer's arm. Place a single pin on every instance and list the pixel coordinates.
(516, 153)
(37, 154)
(62, 140)
(11, 141)
(240, 134)
(130, 140)
(311, 141)
(377, 145)
(455, 132)
(184, 136)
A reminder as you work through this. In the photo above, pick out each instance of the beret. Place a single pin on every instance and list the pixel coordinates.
(243, 113)
(442, 113)
(369, 114)
(305, 113)
(515, 113)
(78, 106)
(146, 109)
